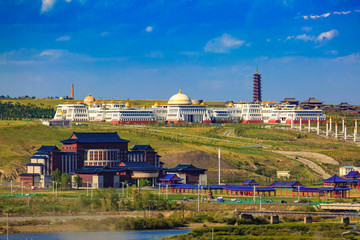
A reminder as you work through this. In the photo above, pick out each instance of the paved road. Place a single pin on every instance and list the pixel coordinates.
(319, 214)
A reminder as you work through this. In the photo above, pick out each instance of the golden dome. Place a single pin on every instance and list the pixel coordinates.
(61, 98)
(294, 107)
(231, 104)
(179, 99)
(156, 104)
(61, 112)
(202, 104)
(144, 107)
(119, 106)
(316, 107)
(277, 106)
(89, 99)
(67, 102)
(299, 107)
(127, 104)
(241, 101)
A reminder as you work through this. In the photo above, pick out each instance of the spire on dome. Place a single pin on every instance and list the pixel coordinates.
(179, 91)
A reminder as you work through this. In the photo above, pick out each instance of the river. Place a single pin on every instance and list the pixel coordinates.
(131, 235)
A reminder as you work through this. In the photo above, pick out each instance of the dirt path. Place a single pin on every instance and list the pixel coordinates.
(309, 163)
(228, 132)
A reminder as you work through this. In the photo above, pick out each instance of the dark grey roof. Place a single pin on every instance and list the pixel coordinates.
(29, 174)
(99, 137)
(48, 148)
(41, 153)
(142, 148)
(34, 164)
(39, 157)
(98, 169)
(184, 167)
(285, 184)
(139, 166)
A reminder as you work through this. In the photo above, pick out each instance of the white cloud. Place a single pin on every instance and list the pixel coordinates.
(325, 15)
(223, 44)
(321, 37)
(53, 53)
(305, 37)
(268, 40)
(327, 35)
(306, 29)
(63, 38)
(149, 29)
(342, 13)
(47, 5)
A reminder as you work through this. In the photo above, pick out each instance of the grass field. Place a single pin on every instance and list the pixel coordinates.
(249, 149)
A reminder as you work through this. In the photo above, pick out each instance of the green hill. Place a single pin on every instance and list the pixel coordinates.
(248, 151)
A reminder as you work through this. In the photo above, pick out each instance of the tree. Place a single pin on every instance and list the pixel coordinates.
(77, 181)
(65, 181)
(56, 176)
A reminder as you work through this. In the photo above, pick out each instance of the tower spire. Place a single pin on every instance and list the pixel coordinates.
(257, 72)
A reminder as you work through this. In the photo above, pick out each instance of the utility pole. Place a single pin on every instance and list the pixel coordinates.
(219, 166)
(254, 194)
(198, 198)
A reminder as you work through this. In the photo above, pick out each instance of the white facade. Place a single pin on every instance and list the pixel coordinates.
(180, 108)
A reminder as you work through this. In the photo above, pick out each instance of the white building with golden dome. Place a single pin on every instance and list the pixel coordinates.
(180, 109)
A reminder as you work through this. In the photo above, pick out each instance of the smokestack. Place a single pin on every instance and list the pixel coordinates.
(72, 91)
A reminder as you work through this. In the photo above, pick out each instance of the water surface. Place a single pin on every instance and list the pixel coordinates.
(131, 235)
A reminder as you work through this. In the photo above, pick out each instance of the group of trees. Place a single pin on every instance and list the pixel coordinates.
(21, 97)
(17, 111)
(62, 180)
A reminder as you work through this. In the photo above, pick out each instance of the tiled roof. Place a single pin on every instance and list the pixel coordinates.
(333, 188)
(41, 153)
(39, 157)
(29, 174)
(142, 148)
(352, 174)
(139, 166)
(305, 189)
(284, 184)
(49, 148)
(34, 164)
(172, 177)
(250, 182)
(100, 137)
(335, 178)
(184, 167)
(98, 169)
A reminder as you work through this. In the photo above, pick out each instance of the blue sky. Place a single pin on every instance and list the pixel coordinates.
(129, 49)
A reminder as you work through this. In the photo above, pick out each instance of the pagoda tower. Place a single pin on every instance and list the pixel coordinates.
(257, 87)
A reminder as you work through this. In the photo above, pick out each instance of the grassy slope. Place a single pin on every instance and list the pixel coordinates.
(20, 139)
